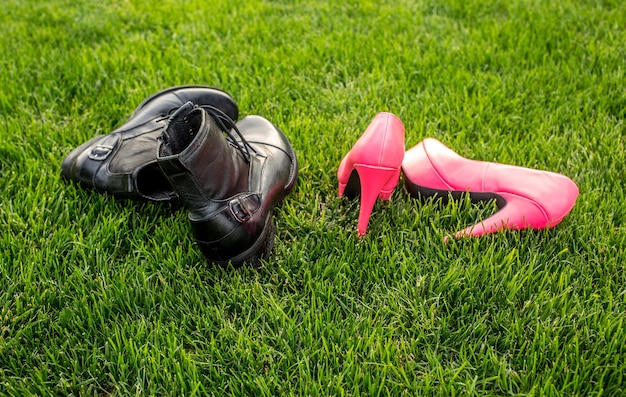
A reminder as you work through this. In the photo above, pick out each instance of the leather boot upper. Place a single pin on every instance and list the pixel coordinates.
(123, 162)
(230, 180)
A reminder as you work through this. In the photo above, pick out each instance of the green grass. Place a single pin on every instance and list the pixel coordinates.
(102, 297)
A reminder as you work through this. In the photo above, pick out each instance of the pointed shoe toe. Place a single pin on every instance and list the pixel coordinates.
(371, 168)
(526, 198)
(123, 162)
(230, 177)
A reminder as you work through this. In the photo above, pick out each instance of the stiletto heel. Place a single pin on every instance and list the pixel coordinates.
(372, 167)
(377, 178)
(387, 190)
(518, 213)
(526, 198)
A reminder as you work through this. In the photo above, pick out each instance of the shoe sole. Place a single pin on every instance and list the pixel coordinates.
(169, 90)
(261, 249)
(423, 193)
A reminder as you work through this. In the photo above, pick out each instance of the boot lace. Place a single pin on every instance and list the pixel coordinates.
(226, 124)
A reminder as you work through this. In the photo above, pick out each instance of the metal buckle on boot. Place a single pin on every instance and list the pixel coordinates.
(242, 208)
(239, 211)
(100, 152)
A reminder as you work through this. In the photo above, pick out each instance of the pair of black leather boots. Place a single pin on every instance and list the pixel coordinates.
(183, 143)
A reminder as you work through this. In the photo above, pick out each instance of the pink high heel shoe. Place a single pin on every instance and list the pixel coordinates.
(372, 167)
(526, 198)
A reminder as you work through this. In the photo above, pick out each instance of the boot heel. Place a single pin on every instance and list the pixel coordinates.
(373, 180)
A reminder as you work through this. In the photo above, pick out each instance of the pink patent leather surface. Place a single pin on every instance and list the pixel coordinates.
(540, 198)
(381, 144)
(376, 158)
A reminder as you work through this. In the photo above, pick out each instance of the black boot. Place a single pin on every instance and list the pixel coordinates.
(230, 177)
(123, 162)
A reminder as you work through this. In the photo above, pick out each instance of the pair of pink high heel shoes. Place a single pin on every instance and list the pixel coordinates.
(526, 198)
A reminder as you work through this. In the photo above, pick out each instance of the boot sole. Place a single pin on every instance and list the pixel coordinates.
(293, 174)
(258, 251)
(167, 91)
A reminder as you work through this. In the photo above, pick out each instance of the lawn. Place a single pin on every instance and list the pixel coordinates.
(106, 297)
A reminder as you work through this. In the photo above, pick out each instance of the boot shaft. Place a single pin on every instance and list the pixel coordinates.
(204, 167)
